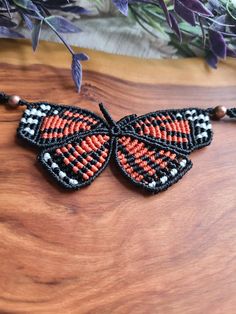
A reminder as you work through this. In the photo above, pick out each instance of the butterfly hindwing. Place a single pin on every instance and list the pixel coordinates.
(45, 124)
(78, 163)
(150, 165)
(185, 129)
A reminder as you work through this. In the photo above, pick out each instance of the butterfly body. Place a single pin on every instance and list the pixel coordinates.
(150, 150)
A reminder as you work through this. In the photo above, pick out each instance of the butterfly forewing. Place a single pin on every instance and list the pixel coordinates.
(47, 124)
(150, 165)
(78, 163)
(184, 129)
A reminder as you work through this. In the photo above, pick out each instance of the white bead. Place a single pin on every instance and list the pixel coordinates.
(62, 174)
(201, 125)
(45, 107)
(191, 112)
(183, 163)
(40, 113)
(201, 135)
(28, 130)
(173, 172)
(152, 184)
(163, 179)
(73, 181)
(201, 116)
(204, 126)
(30, 120)
(192, 118)
(54, 165)
(46, 156)
(23, 120)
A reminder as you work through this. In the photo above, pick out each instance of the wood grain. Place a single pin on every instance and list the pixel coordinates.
(109, 248)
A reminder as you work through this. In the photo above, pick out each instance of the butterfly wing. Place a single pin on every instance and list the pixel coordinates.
(185, 129)
(79, 162)
(44, 124)
(150, 165)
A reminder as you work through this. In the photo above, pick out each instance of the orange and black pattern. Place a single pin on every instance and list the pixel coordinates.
(184, 129)
(151, 150)
(47, 124)
(79, 162)
(149, 165)
(69, 123)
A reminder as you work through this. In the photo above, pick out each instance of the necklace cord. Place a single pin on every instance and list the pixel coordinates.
(231, 112)
(4, 99)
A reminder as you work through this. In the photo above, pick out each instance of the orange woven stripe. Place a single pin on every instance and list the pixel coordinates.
(181, 126)
(128, 168)
(79, 115)
(53, 122)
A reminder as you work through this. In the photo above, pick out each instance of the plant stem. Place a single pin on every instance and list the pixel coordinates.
(59, 35)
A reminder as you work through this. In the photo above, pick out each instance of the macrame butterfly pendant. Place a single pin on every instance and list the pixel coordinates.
(151, 150)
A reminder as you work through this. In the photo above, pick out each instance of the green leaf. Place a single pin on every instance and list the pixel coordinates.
(26, 4)
(194, 30)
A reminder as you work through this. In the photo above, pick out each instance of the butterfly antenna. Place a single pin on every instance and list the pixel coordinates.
(106, 115)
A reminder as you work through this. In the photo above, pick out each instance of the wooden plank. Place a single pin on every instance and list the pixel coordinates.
(178, 71)
(109, 248)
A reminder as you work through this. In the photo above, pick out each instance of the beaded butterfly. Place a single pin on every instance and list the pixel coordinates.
(150, 150)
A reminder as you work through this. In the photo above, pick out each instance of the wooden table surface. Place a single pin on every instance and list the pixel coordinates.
(109, 248)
